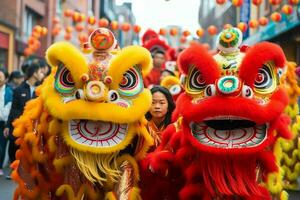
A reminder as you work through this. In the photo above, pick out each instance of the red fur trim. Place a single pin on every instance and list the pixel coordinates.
(238, 106)
(166, 136)
(148, 35)
(191, 192)
(229, 176)
(197, 55)
(171, 54)
(282, 126)
(258, 55)
(156, 44)
(268, 162)
(160, 162)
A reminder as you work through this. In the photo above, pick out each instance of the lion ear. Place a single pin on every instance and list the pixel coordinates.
(64, 53)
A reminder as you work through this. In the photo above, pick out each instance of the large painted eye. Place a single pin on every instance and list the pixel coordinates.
(196, 81)
(132, 82)
(63, 80)
(265, 80)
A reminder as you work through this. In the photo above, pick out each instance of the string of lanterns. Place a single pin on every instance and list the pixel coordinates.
(85, 25)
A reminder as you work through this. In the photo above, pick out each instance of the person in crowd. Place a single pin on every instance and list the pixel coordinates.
(154, 77)
(21, 95)
(160, 114)
(15, 79)
(166, 73)
(6, 94)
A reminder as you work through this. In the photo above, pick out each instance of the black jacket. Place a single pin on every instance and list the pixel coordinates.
(21, 95)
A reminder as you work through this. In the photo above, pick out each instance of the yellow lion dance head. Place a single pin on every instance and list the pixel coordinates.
(95, 108)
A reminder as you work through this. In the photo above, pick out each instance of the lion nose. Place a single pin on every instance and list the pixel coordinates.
(229, 86)
(96, 91)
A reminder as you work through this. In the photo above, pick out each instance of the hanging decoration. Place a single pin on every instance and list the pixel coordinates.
(125, 27)
(242, 26)
(275, 2)
(212, 30)
(186, 33)
(200, 32)
(221, 2)
(68, 13)
(257, 2)
(69, 29)
(162, 31)
(103, 23)
(173, 31)
(136, 29)
(226, 26)
(276, 17)
(287, 9)
(91, 20)
(237, 3)
(67, 36)
(114, 25)
(253, 23)
(182, 39)
(79, 27)
(294, 2)
(55, 20)
(263, 21)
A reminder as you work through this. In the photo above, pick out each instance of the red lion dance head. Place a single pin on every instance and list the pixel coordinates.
(228, 118)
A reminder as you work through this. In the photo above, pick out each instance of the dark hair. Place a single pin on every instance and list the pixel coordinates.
(171, 104)
(33, 62)
(31, 69)
(4, 71)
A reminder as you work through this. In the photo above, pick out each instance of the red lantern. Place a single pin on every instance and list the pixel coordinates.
(257, 2)
(36, 45)
(263, 21)
(68, 13)
(31, 40)
(275, 2)
(200, 32)
(182, 39)
(91, 20)
(27, 51)
(76, 16)
(69, 29)
(242, 26)
(226, 26)
(220, 2)
(173, 31)
(162, 31)
(287, 9)
(82, 38)
(237, 3)
(55, 31)
(37, 29)
(294, 2)
(114, 25)
(253, 23)
(36, 35)
(276, 17)
(67, 36)
(125, 27)
(81, 17)
(212, 30)
(136, 28)
(103, 22)
(44, 31)
(186, 33)
(55, 20)
(79, 27)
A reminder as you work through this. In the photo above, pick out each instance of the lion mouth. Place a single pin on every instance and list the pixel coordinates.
(229, 132)
(97, 133)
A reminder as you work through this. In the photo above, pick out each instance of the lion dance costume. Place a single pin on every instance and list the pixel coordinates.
(228, 119)
(81, 137)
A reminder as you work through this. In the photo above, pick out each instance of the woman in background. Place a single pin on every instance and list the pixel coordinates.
(160, 113)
